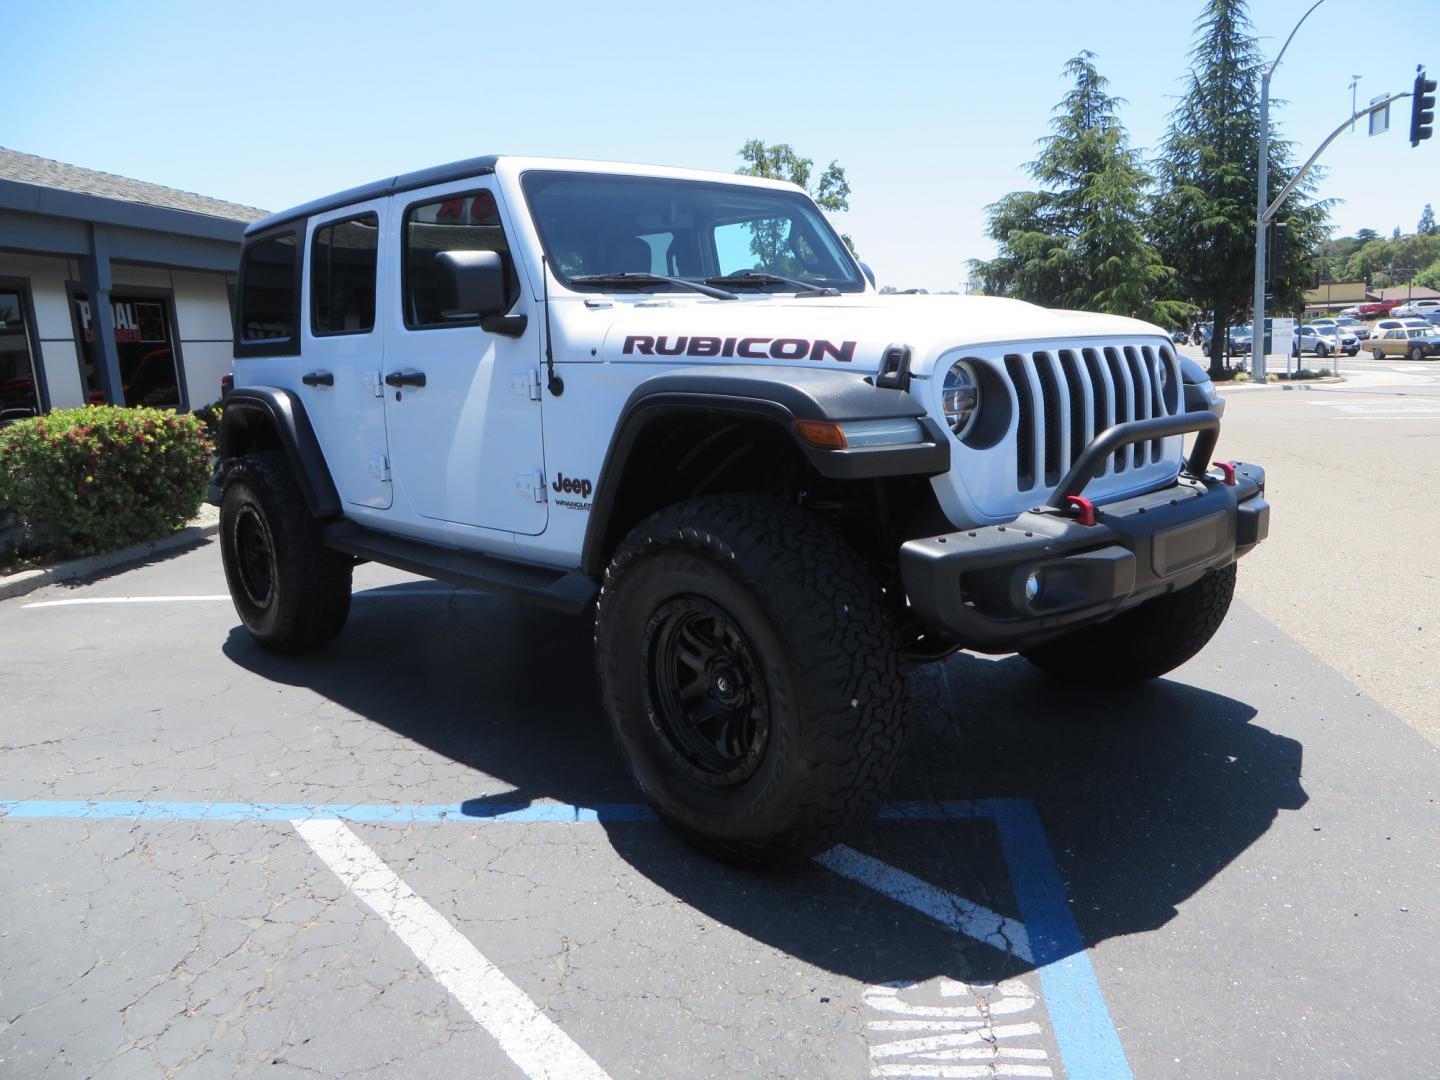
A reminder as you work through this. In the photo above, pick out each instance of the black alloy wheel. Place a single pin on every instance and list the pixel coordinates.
(255, 556)
(705, 690)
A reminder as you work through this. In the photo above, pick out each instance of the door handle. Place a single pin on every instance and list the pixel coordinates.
(405, 378)
(318, 378)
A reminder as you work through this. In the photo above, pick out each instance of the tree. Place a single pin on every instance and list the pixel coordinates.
(780, 162)
(1079, 242)
(1204, 220)
(1366, 235)
(1427, 221)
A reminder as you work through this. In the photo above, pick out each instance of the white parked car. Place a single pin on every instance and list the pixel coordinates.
(674, 404)
(1417, 307)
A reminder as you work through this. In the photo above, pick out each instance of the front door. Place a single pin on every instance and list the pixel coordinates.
(343, 352)
(462, 404)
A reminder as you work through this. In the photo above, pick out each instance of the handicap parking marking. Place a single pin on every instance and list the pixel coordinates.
(953, 1040)
(1044, 936)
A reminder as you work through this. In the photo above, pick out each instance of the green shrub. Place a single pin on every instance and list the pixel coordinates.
(98, 478)
(209, 417)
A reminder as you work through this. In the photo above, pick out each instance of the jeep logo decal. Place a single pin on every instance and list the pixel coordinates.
(570, 486)
(749, 348)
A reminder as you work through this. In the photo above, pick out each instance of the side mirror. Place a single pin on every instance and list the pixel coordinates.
(869, 274)
(472, 284)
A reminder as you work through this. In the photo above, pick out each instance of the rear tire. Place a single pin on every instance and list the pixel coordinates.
(1145, 642)
(1377, 354)
(749, 666)
(291, 592)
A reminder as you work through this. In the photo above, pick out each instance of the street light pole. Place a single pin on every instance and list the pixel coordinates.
(1257, 340)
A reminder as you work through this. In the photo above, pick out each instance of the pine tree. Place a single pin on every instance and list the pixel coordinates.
(1204, 221)
(779, 161)
(1079, 242)
(1427, 221)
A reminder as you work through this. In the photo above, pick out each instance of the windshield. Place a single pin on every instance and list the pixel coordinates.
(600, 224)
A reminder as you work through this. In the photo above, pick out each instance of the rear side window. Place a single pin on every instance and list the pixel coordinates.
(469, 222)
(342, 276)
(269, 283)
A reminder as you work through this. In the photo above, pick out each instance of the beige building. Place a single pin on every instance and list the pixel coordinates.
(161, 264)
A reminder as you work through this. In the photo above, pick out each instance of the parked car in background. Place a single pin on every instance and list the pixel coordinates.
(1240, 340)
(1353, 326)
(1408, 341)
(1324, 341)
(1386, 324)
(1417, 307)
(1180, 337)
(1351, 312)
(1376, 307)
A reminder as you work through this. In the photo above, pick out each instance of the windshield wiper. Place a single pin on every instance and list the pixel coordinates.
(629, 279)
(760, 277)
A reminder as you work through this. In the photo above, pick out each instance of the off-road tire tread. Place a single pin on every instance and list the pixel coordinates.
(830, 613)
(314, 582)
(1145, 643)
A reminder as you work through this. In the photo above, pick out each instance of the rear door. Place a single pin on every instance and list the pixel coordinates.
(343, 351)
(462, 403)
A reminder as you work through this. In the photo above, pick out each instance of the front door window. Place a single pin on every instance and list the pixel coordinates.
(19, 392)
(142, 341)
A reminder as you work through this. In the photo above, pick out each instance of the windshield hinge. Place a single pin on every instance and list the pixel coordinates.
(380, 468)
(526, 384)
(531, 486)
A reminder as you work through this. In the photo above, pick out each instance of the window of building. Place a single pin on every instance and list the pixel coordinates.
(19, 389)
(267, 290)
(342, 276)
(468, 222)
(143, 346)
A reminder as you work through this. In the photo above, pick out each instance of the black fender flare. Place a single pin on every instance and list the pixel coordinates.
(252, 411)
(780, 395)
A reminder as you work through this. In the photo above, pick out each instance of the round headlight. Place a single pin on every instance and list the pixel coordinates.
(960, 397)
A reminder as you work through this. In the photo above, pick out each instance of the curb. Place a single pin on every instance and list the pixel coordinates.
(29, 580)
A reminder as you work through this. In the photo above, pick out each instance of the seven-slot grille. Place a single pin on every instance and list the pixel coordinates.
(1065, 397)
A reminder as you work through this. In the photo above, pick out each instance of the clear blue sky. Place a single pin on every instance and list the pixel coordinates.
(931, 107)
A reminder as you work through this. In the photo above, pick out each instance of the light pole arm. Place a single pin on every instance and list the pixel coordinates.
(1271, 70)
(1274, 207)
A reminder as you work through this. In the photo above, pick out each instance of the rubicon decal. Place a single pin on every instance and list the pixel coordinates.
(748, 348)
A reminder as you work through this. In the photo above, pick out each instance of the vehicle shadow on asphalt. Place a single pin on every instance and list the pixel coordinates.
(1145, 795)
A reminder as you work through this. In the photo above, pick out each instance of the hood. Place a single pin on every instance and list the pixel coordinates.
(848, 330)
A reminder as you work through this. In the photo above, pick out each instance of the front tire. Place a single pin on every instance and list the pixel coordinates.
(1377, 354)
(1417, 353)
(291, 592)
(1145, 642)
(749, 666)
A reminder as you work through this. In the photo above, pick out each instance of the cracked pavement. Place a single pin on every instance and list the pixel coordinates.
(1241, 845)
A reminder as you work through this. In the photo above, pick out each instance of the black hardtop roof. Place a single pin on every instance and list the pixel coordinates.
(436, 174)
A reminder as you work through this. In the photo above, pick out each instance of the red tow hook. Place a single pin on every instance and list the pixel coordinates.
(1228, 468)
(1084, 508)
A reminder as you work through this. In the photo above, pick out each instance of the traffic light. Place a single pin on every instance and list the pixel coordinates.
(1422, 108)
(1277, 263)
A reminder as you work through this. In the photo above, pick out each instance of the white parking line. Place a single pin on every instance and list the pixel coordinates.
(964, 916)
(527, 1036)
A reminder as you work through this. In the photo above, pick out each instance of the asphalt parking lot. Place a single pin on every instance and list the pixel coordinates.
(1248, 856)
(417, 853)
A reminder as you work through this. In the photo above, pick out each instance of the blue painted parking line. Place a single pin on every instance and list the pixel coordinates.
(1084, 1032)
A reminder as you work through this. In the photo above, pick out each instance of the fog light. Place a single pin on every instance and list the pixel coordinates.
(1032, 586)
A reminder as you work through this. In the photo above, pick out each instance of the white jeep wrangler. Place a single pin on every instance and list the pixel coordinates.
(675, 398)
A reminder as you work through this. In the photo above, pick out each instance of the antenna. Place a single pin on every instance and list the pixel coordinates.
(556, 384)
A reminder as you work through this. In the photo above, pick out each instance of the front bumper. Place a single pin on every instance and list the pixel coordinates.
(970, 586)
